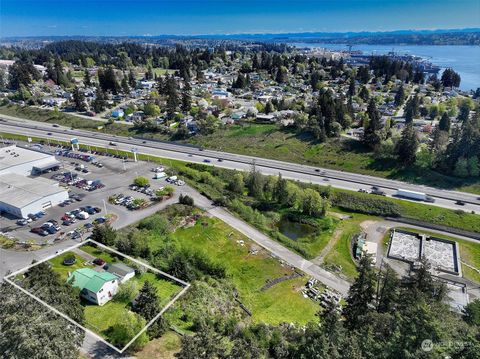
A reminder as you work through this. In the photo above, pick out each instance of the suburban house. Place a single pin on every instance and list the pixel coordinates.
(96, 287)
(122, 271)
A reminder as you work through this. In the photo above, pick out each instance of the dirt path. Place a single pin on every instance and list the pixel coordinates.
(331, 243)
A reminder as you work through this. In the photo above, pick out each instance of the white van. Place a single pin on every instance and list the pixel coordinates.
(83, 215)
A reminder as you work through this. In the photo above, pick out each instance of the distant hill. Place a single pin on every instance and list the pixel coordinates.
(398, 37)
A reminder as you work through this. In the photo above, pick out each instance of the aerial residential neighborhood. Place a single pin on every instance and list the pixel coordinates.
(239, 179)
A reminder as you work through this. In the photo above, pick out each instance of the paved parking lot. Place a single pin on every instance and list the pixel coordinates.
(116, 175)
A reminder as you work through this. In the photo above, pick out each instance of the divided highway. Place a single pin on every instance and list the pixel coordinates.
(335, 178)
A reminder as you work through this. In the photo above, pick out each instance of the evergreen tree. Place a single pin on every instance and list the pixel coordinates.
(408, 115)
(445, 123)
(269, 107)
(450, 78)
(471, 313)
(255, 183)
(99, 104)
(406, 148)
(351, 87)
(371, 136)
(186, 98)
(124, 84)
(21, 73)
(147, 302)
(132, 82)
(104, 234)
(172, 96)
(400, 96)
(387, 290)
(31, 330)
(281, 76)
(280, 191)
(361, 293)
(79, 99)
(87, 80)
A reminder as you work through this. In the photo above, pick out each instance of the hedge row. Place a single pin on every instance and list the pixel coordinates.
(367, 204)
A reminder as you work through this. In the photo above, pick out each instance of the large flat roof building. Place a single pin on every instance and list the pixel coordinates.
(24, 161)
(21, 195)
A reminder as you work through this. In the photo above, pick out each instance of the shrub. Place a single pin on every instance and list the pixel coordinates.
(367, 204)
(127, 292)
(141, 181)
(186, 200)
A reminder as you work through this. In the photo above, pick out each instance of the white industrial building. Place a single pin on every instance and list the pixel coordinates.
(21, 195)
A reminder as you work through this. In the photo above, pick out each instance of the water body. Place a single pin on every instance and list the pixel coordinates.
(295, 230)
(463, 59)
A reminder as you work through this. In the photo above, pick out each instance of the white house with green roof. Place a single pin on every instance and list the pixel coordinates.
(96, 287)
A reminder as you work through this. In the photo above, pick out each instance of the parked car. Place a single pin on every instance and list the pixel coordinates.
(40, 231)
(82, 215)
(99, 261)
(100, 220)
(22, 222)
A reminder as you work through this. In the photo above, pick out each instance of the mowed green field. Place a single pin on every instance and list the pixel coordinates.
(281, 303)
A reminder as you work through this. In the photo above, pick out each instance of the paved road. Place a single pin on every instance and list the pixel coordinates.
(339, 179)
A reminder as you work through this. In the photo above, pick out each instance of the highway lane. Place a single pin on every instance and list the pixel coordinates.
(335, 178)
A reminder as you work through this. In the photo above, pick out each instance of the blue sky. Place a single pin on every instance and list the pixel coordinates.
(155, 17)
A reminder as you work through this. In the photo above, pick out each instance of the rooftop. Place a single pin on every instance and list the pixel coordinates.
(90, 279)
(119, 269)
(20, 191)
(13, 156)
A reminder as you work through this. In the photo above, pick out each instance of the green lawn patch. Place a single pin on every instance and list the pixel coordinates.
(339, 255)
(64, 270)
(166, 289)
(99, 253)
(100, 318)
(164, 347)
(248, 272)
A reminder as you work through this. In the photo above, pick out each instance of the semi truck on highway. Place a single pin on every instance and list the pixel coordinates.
(419, 196)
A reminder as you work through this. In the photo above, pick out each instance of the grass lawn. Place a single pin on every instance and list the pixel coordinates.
(340, 255)
(101, 318)
(469, 252)
(99, 253)
(165, 288)
(160, 72)
(62, 269)
(161, 348)
(249, 272)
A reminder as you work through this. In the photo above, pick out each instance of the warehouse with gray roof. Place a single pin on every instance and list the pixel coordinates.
(20, 194)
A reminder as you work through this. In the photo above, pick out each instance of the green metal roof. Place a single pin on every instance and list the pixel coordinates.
(89, 279)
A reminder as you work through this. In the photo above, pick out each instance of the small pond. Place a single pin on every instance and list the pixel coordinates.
(295, 230)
